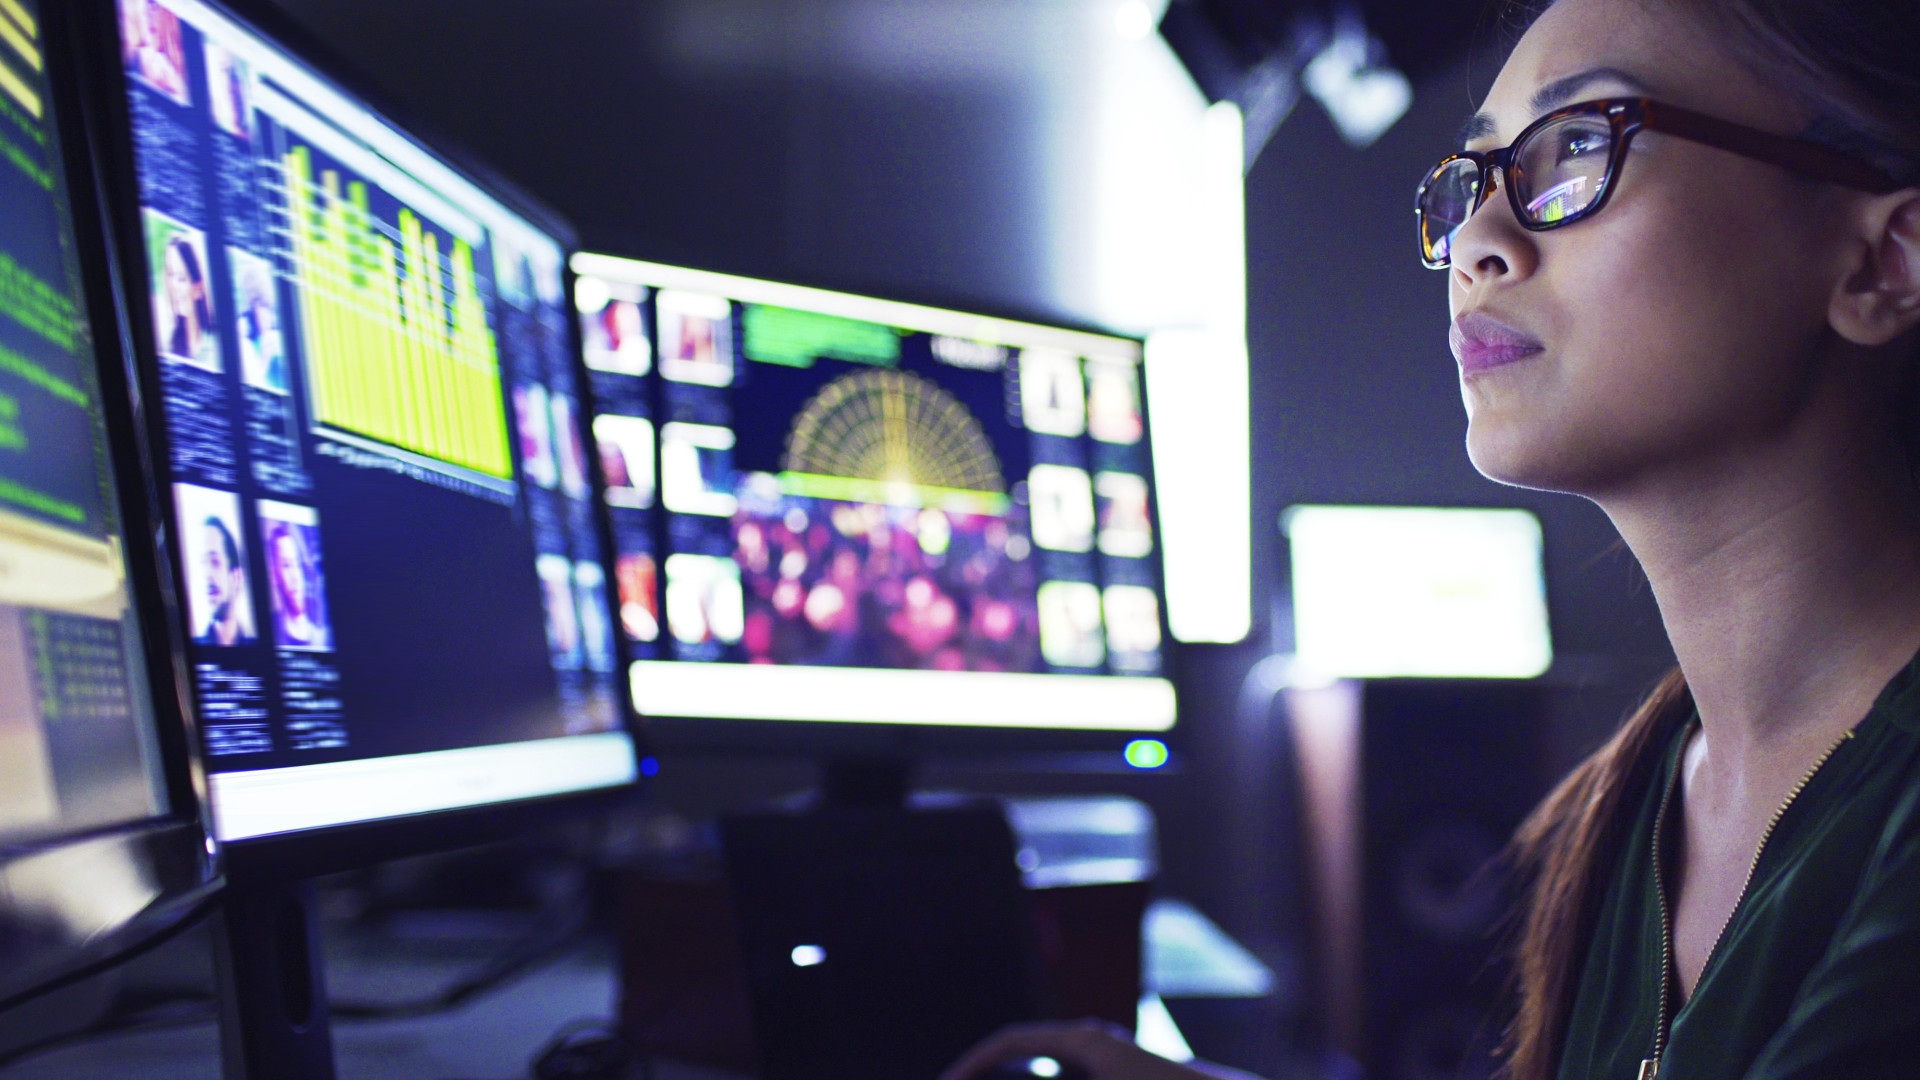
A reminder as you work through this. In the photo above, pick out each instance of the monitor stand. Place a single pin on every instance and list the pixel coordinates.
(273, 995)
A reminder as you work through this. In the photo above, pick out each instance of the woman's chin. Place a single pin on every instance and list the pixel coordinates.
(1526, 459)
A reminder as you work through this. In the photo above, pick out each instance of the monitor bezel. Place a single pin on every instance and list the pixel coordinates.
(323, 849)
(1034, 748)
(171, 851)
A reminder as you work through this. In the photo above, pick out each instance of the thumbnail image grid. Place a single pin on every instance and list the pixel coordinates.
(854, 554)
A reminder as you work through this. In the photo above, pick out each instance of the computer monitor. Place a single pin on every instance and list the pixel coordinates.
(1412, 591)
(101, 843)
(362, 359)
(833, 512)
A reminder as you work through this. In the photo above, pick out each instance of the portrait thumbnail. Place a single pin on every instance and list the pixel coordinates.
(296, 579)
(1133, 624)
(213, 557)
(1061, 498)
(596, 624)
(182, 301)
(1070, 624)
(1113, 401)
(1053, 400)
(569, 449)
(638, 579)
(533, 419)
(696, 469)
(151, 47)
(703, 599)
(229, 91)
(527, 274)
(626, 458)
(696, 337)
(613, 326)
(563, 620)
(256, 303)
(1126, 527)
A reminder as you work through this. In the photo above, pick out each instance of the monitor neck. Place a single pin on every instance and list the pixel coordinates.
(865, 783)
(273, 995)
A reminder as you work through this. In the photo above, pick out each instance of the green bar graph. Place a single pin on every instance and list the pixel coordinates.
(397, 343)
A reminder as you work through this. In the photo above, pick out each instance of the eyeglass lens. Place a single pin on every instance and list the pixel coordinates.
(1557, 172)
(1450, 198)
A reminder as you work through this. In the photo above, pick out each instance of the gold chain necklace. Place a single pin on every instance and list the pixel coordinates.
(1650, 1067)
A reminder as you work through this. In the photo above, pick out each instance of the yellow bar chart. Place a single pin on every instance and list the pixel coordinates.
(395, 331)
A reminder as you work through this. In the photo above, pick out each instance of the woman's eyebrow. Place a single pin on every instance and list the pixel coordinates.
(1478, 126)
(1553, 95)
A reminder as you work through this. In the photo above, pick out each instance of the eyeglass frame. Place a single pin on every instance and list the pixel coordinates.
(1628, 117)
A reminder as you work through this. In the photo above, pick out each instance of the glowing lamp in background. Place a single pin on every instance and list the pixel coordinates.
(1385, 591)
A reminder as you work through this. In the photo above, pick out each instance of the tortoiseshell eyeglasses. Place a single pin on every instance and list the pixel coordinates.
(1562, 167)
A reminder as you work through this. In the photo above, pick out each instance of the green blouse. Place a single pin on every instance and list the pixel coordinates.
(1818, 973)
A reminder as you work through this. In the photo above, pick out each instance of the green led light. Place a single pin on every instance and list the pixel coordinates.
(1146, 753)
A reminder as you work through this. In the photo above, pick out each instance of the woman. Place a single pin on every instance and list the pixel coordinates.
(1704, 321)
(188, 331)
(297, 619)
(263, 352)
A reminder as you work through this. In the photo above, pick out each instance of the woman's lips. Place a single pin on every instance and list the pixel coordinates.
(1482, 342)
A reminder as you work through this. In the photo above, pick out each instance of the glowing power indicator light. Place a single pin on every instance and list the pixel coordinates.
(1146, 753)
(808, 955)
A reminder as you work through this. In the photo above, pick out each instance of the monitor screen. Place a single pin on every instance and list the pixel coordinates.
(1383, 591)
(834, 508)
(78, 746)
(387, 536)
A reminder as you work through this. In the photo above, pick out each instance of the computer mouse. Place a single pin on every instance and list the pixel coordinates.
(1039, 1068)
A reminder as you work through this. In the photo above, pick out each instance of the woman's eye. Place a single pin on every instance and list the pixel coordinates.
(1581, 144)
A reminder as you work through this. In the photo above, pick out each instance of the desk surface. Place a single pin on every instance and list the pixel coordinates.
(492, 1038)
(495, 1036)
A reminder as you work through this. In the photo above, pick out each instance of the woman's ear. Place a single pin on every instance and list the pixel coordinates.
(1880, 300)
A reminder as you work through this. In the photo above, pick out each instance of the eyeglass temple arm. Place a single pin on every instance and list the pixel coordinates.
(1808, 159)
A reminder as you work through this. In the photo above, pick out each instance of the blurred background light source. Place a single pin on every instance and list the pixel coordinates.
(1198, 390)
(1197, 387)
(1153, 200)
(1350, 77)
(1133, 19)
(1261, 56)
(1386, 591)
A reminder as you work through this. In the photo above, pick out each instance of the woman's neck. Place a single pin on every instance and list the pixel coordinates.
(1787, 577)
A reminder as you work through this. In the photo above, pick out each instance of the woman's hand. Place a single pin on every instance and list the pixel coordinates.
(1103, 1051)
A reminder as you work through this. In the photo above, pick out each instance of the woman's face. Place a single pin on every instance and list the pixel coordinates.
(291, 575)
(1682, 320)
(182, 290)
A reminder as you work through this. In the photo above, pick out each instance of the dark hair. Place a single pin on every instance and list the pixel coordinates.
(202, 312)
(281, 530)
(1855, 67)
(226, 541)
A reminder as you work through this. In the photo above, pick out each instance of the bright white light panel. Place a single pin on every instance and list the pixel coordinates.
(1383, 591)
